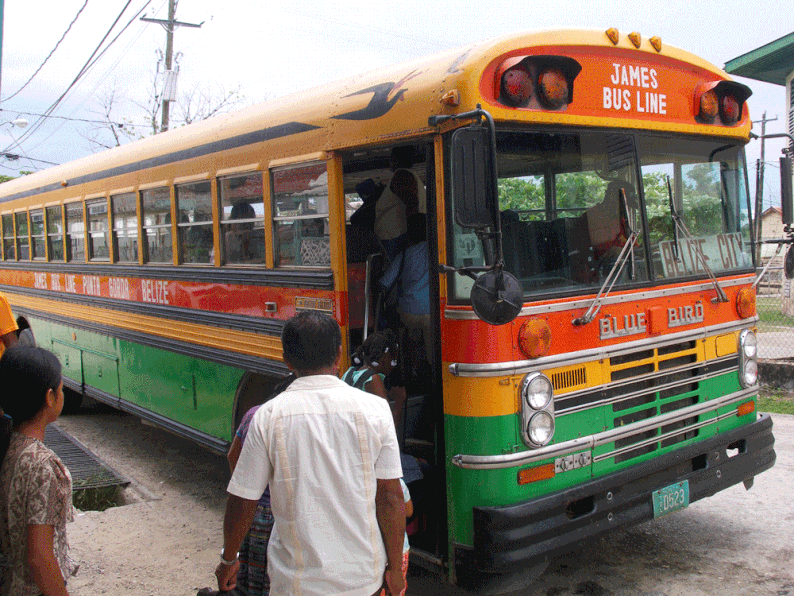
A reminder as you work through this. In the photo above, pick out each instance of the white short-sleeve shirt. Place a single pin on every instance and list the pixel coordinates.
(321, 445)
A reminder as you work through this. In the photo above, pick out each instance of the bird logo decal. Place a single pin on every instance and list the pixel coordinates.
(384, 96)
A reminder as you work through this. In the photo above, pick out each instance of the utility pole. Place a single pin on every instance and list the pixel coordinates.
(759, 190)
(169, 27)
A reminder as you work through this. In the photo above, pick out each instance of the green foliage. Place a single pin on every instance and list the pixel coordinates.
(521, 194)
(775, 403)
(4, 178)
(96, 499)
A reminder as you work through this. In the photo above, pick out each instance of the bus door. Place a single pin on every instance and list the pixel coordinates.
(390, 237)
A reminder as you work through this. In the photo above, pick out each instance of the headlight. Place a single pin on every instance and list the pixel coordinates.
(537, 410)
(540, 428)
(750, 373)
(536, 391)
(748, 358)
(749, 343)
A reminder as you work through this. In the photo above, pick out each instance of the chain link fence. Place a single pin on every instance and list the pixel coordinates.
(775, 329)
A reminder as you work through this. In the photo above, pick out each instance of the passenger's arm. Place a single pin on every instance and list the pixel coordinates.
(375, 386)
(234, 452)
(41, 562)
(390, 511)
(236, 523)
(9, 339)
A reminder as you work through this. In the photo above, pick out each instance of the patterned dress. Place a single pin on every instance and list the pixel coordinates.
(252, 579)
(35, 489)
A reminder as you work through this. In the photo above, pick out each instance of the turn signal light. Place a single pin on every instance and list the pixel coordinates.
(725, 99)
(709, 105)
(534, 338)
(745, 303)
(535, 82)
(747, 407)
(535, 474)
(553, 88)
(516, 86)
(729, 109)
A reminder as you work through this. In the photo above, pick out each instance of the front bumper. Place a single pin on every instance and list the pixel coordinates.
(509, 539)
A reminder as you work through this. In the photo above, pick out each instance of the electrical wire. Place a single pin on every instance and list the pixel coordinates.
(74, 20)
(89, 63)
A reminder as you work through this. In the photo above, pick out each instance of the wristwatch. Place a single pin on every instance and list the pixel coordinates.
(229, 563)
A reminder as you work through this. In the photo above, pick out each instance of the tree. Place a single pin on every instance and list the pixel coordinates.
(202, 101)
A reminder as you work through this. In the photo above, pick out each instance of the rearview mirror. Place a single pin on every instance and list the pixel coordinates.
(473, 182)
(497, 297)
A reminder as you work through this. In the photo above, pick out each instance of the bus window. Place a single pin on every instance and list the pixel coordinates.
(567, 203)
(704, 184)
(194, 211)
(23, 246)
(242, 219)
(98, 232)
(156, 214)
(37, 236)
(300, 216)
(9, 248)
(55, 233)
(125, 227)
(75, 232)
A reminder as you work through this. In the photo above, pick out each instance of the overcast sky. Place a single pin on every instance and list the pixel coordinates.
(271, 48)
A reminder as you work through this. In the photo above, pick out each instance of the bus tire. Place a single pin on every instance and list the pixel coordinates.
(72, 400)
(254, 389)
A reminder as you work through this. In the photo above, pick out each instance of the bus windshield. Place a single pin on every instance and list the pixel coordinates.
(569, 203)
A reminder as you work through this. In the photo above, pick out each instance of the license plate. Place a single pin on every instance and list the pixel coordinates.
(670, 498)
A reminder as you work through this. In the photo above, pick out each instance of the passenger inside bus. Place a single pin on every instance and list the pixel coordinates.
(409, 275)
(607, 221)
(244, 243)
(403, 196)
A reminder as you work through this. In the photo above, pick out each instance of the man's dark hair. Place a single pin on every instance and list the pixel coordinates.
(27, 373)
(311, 341)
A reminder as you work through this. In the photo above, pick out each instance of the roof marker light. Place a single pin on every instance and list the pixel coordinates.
(635, 38)
(613, 35)
(451, 98)
(656, 42)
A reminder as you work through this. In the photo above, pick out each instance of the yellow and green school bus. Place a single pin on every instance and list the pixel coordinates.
(590, 261)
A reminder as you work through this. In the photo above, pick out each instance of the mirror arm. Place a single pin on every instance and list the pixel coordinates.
(773, 136)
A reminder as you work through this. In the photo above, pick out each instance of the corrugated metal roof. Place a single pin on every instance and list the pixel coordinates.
(87, 470)
(771, 63)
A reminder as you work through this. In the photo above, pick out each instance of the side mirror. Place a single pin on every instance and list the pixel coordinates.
(497, 297)
(473, 183)
(785, 190)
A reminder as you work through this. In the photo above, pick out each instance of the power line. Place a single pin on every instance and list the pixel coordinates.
(119, 124)
(89, 63)
(48, 55)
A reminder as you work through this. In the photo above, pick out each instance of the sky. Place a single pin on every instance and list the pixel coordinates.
(271, 48)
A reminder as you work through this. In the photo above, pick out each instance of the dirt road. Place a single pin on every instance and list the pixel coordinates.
(166, 541)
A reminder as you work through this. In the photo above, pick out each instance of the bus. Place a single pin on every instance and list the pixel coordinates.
(592, 356)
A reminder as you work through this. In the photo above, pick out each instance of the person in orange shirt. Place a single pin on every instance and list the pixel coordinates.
(8, 326)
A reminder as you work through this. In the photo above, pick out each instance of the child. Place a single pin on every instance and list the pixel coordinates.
(372, 363)
(409, 511)
(35, 486)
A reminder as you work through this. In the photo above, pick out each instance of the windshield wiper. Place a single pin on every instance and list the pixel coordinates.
(625, 253)
(673, 215)
(680, 227)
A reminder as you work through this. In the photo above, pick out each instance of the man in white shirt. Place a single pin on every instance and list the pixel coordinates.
(329, 453)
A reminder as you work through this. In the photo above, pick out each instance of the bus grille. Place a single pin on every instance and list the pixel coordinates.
(645, 384)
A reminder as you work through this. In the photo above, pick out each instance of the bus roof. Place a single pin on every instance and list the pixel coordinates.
(390, 103)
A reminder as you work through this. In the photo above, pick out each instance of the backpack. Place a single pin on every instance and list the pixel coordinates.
(362, 380)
